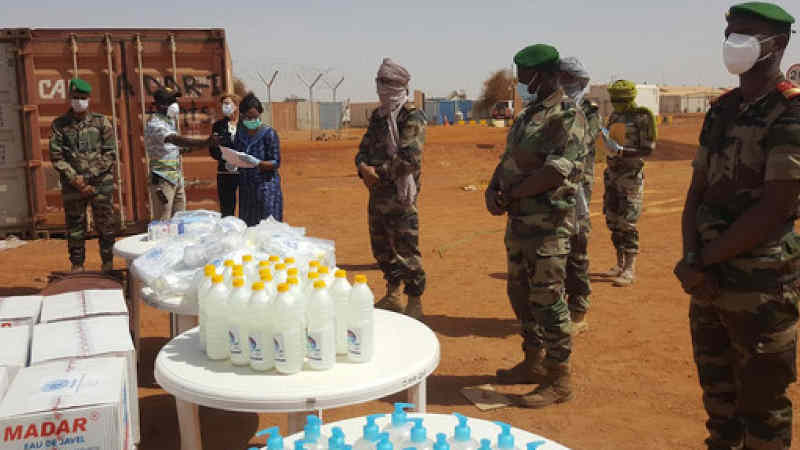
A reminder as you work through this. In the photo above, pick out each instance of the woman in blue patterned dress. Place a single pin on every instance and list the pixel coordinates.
(260, 194)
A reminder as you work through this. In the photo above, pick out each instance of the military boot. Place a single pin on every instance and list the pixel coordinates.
(414, 307)
(77, 268)
(107, 266)
(556, 389)
(628, 275)
(391, 301)
(617, 270)
(528, 371)
(579, 323)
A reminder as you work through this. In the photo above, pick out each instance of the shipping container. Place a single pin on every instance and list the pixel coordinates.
(283, 117)
(330, 115)
(432, 112)
(307, 115)
(125, 67)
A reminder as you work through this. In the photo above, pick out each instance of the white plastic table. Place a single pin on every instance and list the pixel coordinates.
(407, 352)
(436, 423)
(182, 317)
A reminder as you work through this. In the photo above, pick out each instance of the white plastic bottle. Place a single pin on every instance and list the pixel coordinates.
(216, 329)
(236, 272)
(326, 275)
(250, 269)
(202, 293)
(321, 328)
(462, 435)
(288, 335)
(399, 428)
(371, 433)
(340, 292)
(300, 297)
(290, 262)
(279, 273)
(361, 322)
(269, 283)
(293, 272)
(259, 339)
(313, 266)
(227, 272)
(419, 437)
(309, 286)
(505, 440)
(238, 303)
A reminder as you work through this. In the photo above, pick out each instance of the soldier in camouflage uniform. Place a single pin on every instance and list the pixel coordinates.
(83, 151)
(389, 161)
(536, 183)
(740, 260)
(634, 129)
(574, 80)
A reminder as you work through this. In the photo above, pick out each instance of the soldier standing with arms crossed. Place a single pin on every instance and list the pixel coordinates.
(740, 261)
(536, 183)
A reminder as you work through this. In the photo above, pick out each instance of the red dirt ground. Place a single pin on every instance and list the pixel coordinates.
(635, 381)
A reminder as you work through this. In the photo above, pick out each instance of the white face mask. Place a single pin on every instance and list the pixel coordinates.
(173, 110)
(80, 104)
(741, 52)
(228, 109)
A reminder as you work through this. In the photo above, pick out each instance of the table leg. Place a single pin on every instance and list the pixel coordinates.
(134, 289)
(182, 323)
(418, 395)
(189, 425)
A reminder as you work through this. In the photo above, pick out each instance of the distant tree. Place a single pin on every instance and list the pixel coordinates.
(498, 87)
(239, 88)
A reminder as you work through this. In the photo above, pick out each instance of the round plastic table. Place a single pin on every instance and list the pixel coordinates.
(182, 316)
(437, 423)
(407, 352)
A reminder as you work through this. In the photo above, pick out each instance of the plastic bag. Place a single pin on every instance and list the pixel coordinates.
(158, 261)
(231, 224)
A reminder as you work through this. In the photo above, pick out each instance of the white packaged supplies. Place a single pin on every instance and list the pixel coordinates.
(69, 405)
(88, 338)
(21, 310)
(15, 345)
(4, 382)
(83, 304)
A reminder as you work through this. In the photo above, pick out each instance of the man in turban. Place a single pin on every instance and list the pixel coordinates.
(389, 161)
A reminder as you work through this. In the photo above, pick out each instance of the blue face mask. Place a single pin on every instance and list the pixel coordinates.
(251, 124)
(528, 98)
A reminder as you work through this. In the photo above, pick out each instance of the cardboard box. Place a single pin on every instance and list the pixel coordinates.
(69, 405)
(88, 338)
(22, 310)
(15, 346)
(83, 304)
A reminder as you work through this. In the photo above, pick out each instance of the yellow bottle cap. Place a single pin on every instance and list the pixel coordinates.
(292, 272)
(258, 286)
(319, 284)
(265, 275)
(292, 280)
(341, 273)
(314, 264)
(238, 282)
(263, 264)
(289, 260)
(323, 270)
(264, 271)
(274, 258)
(229, 263)
(238, 271)
(361, 278)
(280, 267)
(313, 275)
(247, 258)
(210, 270)
(236, 266)
(217, 279)
(283, 287)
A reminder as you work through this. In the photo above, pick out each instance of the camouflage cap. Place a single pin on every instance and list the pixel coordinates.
(762, 10)
(78, 85)
(537, 57)
(622, 90)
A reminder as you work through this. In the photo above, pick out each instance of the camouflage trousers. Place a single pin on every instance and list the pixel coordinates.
(578, 285)
(103, 217)
(745, 348)
(622, 206)
(536, 275)
(394, 237)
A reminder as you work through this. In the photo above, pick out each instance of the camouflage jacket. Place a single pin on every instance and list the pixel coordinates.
(83, 148)
(593, 126)
(408, 159)
(549, 133)
(638, 134)
(743, 146)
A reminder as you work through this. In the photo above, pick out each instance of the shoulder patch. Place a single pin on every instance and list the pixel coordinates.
(788, 89)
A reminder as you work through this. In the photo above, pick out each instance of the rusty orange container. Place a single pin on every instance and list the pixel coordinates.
(125, 67)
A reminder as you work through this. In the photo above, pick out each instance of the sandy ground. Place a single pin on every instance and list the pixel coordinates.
(634, 378)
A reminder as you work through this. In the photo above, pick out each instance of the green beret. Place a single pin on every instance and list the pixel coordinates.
(78, 85)
(622, 90)
(763, 10)
(536, 56)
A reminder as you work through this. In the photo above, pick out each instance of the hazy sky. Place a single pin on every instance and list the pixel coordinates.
(446, 45)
